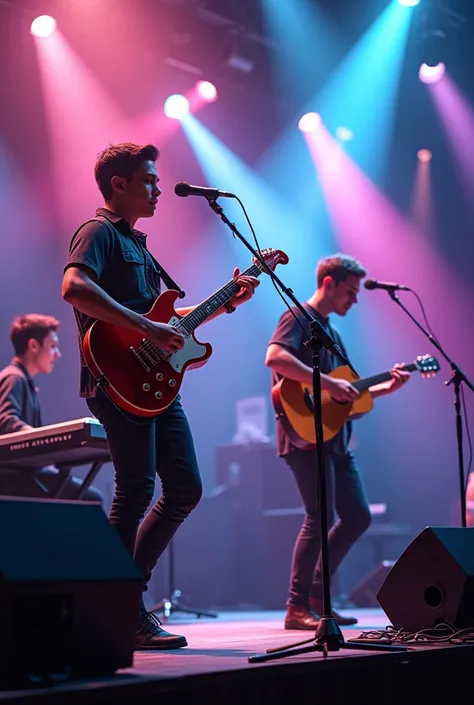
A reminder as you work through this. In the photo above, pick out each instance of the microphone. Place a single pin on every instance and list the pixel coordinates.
(386, 286)
(183, 189)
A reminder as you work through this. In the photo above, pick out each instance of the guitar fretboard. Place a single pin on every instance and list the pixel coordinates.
(367, 382)
(213, 303)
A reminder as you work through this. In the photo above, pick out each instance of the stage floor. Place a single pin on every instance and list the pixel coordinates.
(215, 667)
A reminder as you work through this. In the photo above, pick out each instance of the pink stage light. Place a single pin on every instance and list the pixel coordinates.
(176, 107)
(424, 155)
(431, 74)
(456, 113)
(43, 26)
(207, 91)
(309, 122)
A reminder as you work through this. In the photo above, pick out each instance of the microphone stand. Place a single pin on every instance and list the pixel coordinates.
(328, 636)
(171, 604)
(457, 378)
(326, 339)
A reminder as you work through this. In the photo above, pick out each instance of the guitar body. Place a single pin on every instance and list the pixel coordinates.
(292, 402)
(144, 392)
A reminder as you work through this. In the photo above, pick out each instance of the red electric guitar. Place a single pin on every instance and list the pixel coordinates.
(136, 374)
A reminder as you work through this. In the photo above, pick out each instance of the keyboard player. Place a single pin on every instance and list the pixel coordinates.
(35, 341)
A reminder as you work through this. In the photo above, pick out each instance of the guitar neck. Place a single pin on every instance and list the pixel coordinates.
(363, 384)
(213, 303)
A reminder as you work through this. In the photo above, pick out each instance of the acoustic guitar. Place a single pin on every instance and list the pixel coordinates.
(136, 374)
(293, 401)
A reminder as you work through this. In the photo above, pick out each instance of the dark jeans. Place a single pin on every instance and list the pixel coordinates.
(140, 449)
(345, 495)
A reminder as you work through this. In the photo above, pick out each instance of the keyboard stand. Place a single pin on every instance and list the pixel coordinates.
(65, 472)
(91, 475)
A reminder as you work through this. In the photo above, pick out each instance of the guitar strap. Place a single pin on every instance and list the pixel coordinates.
(170, 283)
(168, 280)
(337, 338)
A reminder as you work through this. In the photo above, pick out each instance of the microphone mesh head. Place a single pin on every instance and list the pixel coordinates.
(181, 188)
(369, 284)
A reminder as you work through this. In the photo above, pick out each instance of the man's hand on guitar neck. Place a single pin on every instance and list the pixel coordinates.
(247, 285)
(247, 288)
(339, 389)
(399, 377)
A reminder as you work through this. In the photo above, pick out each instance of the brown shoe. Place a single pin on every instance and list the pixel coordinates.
(298, 617)
(317, 607)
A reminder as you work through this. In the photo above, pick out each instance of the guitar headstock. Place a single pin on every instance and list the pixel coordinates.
(427, 365)
(272, 258)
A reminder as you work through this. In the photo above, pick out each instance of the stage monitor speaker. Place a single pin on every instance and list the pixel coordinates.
(432, 581)
(69, 593)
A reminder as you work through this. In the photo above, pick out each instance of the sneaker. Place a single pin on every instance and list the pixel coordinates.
(151, 635)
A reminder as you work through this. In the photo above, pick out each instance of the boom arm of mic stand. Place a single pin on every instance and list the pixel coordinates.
(457, 372)
(456, 378)
(316, 328)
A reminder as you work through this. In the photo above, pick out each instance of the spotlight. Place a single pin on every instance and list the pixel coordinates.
(424, 155)
(344, 134)
(309, 122)
(432, 47)
(207, 91)
(431, 74)
(43, 26)
(409, 3)
(176, 107)
(432, 55)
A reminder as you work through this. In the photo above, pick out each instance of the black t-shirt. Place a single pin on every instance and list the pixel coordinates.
(118, 256)
(292, 336)
(19, 402)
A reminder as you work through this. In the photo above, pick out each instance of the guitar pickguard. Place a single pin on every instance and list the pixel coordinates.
(191, 350)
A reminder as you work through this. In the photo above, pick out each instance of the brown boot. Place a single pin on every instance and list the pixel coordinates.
(317, 607)
(298, 617)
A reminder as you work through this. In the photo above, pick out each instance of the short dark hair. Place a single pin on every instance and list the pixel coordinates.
(121, 160)
(33, 325)
(338, 267)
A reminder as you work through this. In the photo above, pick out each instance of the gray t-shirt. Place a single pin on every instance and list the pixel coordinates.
(292, 336)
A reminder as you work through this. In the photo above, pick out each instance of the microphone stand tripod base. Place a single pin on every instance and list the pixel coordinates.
(328, 637)
(170, 605)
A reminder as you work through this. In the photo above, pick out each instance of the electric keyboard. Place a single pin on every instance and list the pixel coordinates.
(66, 444)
